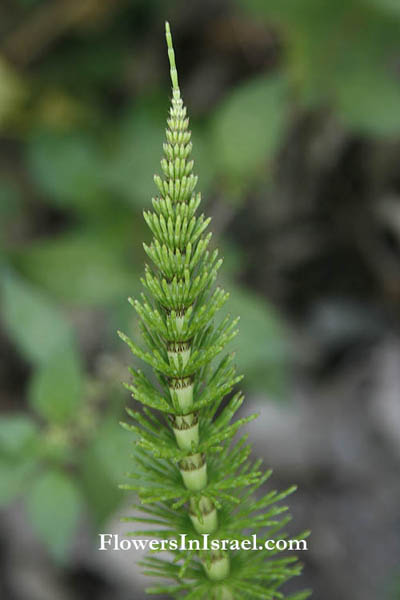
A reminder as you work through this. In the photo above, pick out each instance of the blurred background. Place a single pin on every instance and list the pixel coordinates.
(295, 113)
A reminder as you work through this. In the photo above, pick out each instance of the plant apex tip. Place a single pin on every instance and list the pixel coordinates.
(171, 56)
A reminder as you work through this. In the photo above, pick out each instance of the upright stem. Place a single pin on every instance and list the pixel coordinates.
(193, 468)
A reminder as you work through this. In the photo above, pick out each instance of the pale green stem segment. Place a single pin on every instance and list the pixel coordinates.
(194, 468)
(181, 391)
(222, 593)
(194, 472)
(207, 522)
(218, 568)
(186, 430)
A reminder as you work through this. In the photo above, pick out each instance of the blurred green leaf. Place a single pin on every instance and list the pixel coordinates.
(204, 168)
(261, 344)
(35, 324)
(84, 268)
(68, 167)
(344, 54)
(54, 506)
(363, 72)
(104, 466)
(56, 387)
(247, 128)
(315, 33)
(111, 447)
(135, 155)
(368, 98)
(101, 492)
(17, 432)
(15, 477)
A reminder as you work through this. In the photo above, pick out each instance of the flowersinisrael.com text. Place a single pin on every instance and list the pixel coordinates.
(112, 541)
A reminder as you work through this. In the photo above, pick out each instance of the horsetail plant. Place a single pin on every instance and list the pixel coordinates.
(190, 475)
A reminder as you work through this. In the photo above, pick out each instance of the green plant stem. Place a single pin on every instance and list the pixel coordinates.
(185, 426)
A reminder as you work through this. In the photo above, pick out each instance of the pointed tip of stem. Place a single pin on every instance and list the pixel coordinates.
(171, 56)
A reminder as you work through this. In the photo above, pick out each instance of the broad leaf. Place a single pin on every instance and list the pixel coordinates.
(15, 478)
(54, 506)
(85, 268)
(248, 127)
(56, 387)
(104, 466)
(131, 161)
(17, 432)
(68, 168)
(33, 321)
(261, 345)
